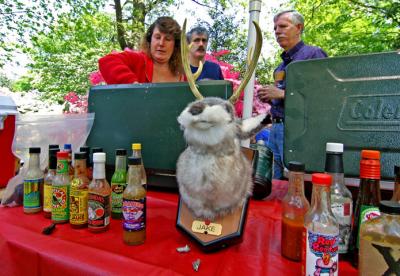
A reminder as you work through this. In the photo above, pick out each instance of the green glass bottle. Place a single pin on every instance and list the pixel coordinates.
(118, 183)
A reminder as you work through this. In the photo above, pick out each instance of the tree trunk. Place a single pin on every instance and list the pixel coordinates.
(120, 26)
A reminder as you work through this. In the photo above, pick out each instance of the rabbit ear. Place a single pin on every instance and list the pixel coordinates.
(251, 126)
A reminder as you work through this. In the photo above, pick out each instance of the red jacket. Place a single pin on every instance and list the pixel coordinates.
(126, 67)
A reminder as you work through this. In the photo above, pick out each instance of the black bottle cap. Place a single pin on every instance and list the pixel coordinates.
(396, 170)
(34, 150)
(80, 155)
(84, 149)
(134, 161)
(54, 146)
(389, 207)
(295, 166)
(120, 152)
(97, 149)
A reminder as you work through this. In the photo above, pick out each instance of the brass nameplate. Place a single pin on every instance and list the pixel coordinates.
(210, 229)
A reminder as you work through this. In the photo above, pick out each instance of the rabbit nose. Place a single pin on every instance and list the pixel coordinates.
(196, 109)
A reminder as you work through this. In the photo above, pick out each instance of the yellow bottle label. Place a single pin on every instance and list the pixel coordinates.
(47, 197)
(78, 206)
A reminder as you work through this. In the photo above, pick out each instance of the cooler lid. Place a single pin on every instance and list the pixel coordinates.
(354, 100)
(7, 106)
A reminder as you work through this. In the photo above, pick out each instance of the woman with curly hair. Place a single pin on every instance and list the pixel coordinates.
(158, 61)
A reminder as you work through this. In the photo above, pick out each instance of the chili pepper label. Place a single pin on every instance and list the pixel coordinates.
(32, 193)
(321, 256)
(98, 210)
(60, 200)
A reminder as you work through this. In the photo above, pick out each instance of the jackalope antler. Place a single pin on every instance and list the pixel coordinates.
(192, 77)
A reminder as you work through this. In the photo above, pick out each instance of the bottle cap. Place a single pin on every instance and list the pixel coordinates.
(120, 152)
(80, 155)
(67, 147)
(389, 207)
(53, 152)
(34, 150)
(136, 146)
(321, 179)
(84, 149)
(371, 154)
(99, 157)
(370, 165)
(53, 158)
(334, 147)
(134, 161)
(62, 155)
(295, 166)
(97, 149)
(54, 146)
(396, 170)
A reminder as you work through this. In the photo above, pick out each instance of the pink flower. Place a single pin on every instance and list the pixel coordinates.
(96, 78)
(75, 103)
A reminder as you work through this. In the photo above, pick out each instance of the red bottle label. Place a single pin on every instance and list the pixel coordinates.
(98, 210)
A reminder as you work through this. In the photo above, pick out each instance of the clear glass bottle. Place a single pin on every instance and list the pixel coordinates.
(380, 242)
(33, 183)
(118, 183)
(396, 189)
(321, 235)
(134, 205)
(369, 196)
(78, 199)
(48, 182)
(341, 198)
(99, 198)
(294, 207)
(61, 188)
(137, 153)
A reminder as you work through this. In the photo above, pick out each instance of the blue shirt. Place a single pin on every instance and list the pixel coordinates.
(298, 52)
(210, 71)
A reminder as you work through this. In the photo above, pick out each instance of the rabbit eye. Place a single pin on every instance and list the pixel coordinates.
(197, 108)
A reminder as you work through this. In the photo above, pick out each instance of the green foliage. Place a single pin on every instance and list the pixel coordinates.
(64, 58)
(343, 27)
(23, 84)
(4, 81)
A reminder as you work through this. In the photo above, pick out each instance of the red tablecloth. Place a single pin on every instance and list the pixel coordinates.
(24, 250)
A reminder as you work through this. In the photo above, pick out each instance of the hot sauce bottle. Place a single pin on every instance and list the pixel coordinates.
(321, 231)
(369, 196)
(60, 188)
(33, 183)
(78, 217)
(48, 182)
(118, 183)
(134, 205)
(294, 207)
(137, 153)
(99, 198)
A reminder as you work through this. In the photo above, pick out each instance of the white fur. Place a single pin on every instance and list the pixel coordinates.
(213, 175)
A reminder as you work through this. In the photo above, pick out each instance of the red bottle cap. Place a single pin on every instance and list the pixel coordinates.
(370, 165)
(322, 179)
(62, 155)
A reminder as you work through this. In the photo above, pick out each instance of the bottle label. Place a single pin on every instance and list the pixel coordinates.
(62, 166)
(321, 254)
(116, 197)
(367, 212)
(134, 212)
(98, 210)
(60, 203)
(78, 206)
(343, 212)
(379, 258)
(47, 196)
(32, 193)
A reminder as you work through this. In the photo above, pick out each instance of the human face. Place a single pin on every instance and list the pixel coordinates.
(286, 33)
(198, 51)
(161, 46)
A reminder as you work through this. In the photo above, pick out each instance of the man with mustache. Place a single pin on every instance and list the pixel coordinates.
(198, 36)
(288, 27)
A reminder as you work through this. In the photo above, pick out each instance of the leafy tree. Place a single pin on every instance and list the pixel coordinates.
(20, 19)
(346, 27)
(64, 58)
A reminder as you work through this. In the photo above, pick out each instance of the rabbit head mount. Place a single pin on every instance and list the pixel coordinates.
(214, 177)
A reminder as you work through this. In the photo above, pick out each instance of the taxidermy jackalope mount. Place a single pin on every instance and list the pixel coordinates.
(214, 177)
